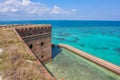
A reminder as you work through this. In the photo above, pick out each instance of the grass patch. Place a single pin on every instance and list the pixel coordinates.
(3, 55)
(3, 66)
(29, 57)
(13, 64)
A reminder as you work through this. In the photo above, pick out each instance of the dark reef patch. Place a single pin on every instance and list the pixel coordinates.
(103, 48)
(117, 50)
(118, 36)
(82, 45)
(60, 38)
(76, 38)
(65, 34)
(74, 41)
(103, 33)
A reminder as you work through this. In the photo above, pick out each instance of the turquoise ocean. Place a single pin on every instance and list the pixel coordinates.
(98, 38)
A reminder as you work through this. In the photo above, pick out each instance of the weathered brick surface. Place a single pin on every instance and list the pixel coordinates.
(43, 52)
(38, 38)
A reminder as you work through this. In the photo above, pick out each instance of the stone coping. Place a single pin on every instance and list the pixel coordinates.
(17, 26)
(103, 63)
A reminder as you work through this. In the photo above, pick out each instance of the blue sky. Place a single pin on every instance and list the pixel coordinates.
(60, 9)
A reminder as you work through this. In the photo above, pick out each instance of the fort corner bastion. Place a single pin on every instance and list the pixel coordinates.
(38, 39)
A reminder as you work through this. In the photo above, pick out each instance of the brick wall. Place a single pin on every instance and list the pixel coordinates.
(38, 38)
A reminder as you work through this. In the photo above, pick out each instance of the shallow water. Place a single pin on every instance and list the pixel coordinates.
(102, 42)
(68, 66)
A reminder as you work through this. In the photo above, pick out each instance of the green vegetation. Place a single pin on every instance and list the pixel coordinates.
(16, 63)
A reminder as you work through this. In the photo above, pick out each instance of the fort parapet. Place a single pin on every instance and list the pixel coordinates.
(37, 37)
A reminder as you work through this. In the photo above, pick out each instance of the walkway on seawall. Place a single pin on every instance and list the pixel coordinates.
(103, 63)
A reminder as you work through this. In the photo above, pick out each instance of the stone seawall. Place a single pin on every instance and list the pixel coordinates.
(105, 64)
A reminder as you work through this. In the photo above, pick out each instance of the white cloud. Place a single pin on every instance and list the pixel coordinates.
(26, 2)
(14, 10)
(56, 10)
(27, 7)
(9, 6)
(73, 10)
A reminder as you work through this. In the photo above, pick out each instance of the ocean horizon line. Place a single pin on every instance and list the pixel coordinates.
(58, 20)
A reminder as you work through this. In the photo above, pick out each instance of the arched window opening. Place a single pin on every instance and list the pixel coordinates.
(42, 43)
(42, 56)
(31, 46)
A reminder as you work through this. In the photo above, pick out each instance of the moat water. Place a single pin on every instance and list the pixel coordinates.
(99, 38)
(67, 65)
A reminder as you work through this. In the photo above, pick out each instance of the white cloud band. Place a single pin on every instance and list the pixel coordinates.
(27, 7)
